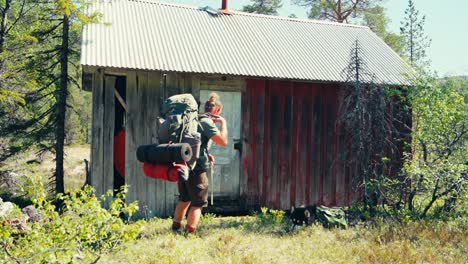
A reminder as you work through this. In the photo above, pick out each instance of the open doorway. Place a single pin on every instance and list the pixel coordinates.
(119, 132)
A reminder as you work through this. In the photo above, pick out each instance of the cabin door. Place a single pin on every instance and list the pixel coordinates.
(225, 180)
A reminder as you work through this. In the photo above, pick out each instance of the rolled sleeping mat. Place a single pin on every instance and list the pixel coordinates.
(166, 172)
(164, 153)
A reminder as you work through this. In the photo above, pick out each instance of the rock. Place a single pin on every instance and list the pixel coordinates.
(20, 224)
(9, 181)
(34, 214)
(6, 208)
(10, 215)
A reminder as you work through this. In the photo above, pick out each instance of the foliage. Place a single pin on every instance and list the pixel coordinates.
(78, 119)
(81, 231)
(438, 168)
(270, 220)
(337, 10)
(432, 182)
(266, 7)
(207, 219)
(416, 41)
(8, 97)
(16, 43)
(13, 36)
(377, 21)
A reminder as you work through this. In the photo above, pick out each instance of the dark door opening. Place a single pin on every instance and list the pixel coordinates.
(119, 132)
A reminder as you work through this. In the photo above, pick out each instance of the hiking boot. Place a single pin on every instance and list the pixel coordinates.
(190, 231)
(176, 227)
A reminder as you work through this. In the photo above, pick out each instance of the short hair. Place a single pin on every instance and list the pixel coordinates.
(214, 97)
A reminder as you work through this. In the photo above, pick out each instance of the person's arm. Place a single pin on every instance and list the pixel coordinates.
(220, 138)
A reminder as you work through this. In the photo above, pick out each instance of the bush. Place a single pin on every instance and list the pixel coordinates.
(269, 220)
(81, 230)
(437, 172)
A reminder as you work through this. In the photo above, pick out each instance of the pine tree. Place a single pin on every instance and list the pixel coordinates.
(337, 10)
(17, 20)
(416, 41)
(265, 7)
(69, 15)
(377, 21)
(12, 38)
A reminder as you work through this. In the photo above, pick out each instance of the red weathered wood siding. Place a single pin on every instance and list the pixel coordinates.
(294, 154)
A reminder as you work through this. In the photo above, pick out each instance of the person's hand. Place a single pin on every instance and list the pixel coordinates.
(211, 158)
(218, 119)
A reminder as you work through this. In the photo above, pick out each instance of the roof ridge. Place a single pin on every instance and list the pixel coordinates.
(302, 20)
(164, 3)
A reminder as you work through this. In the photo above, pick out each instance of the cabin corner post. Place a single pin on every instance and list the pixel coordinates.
(131, 162)
(108, 133)
(102, 140)
(96, 132)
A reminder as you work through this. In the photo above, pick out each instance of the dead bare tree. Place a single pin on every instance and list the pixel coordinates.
(365, 117)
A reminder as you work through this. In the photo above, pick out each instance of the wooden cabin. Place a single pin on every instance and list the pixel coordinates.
(277, 77)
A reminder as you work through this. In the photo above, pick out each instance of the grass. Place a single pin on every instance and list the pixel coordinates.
(74, 166)
(239, 240)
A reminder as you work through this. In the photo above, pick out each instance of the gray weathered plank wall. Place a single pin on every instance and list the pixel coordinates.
(143, 99)
(102, 149)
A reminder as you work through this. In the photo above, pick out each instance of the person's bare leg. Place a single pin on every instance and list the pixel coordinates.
(180, 211)
(193, 218)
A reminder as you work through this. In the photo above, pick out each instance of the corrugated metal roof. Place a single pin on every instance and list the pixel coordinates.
(141, 34)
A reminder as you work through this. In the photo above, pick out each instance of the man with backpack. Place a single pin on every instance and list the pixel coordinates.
(194, 191)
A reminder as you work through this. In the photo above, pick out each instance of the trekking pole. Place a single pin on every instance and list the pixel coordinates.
(164, 87)
(212, 172)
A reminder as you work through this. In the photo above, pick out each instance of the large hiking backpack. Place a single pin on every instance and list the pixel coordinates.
(179, 123)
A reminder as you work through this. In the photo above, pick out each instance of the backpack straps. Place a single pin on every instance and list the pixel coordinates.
(205, 148)
(201, 116)
(184, 124)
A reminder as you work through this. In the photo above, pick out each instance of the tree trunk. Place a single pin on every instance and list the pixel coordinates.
(339, 16)
(61, 109)
(3, 25)
(87, 129)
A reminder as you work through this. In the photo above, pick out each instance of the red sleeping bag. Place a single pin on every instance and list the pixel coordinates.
(119, 152)
(165, 172)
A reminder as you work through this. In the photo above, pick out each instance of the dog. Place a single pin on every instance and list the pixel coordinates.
(302, 215)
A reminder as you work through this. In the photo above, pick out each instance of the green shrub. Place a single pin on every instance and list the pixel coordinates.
(269, 220)
(82, 230)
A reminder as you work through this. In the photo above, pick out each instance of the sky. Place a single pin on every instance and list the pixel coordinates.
(445, 25)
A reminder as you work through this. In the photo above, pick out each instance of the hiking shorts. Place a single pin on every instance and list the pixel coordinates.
(195, 190)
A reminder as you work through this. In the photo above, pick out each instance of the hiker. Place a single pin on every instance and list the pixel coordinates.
(194, 192)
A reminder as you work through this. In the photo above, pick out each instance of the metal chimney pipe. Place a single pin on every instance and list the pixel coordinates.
(224, 5)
